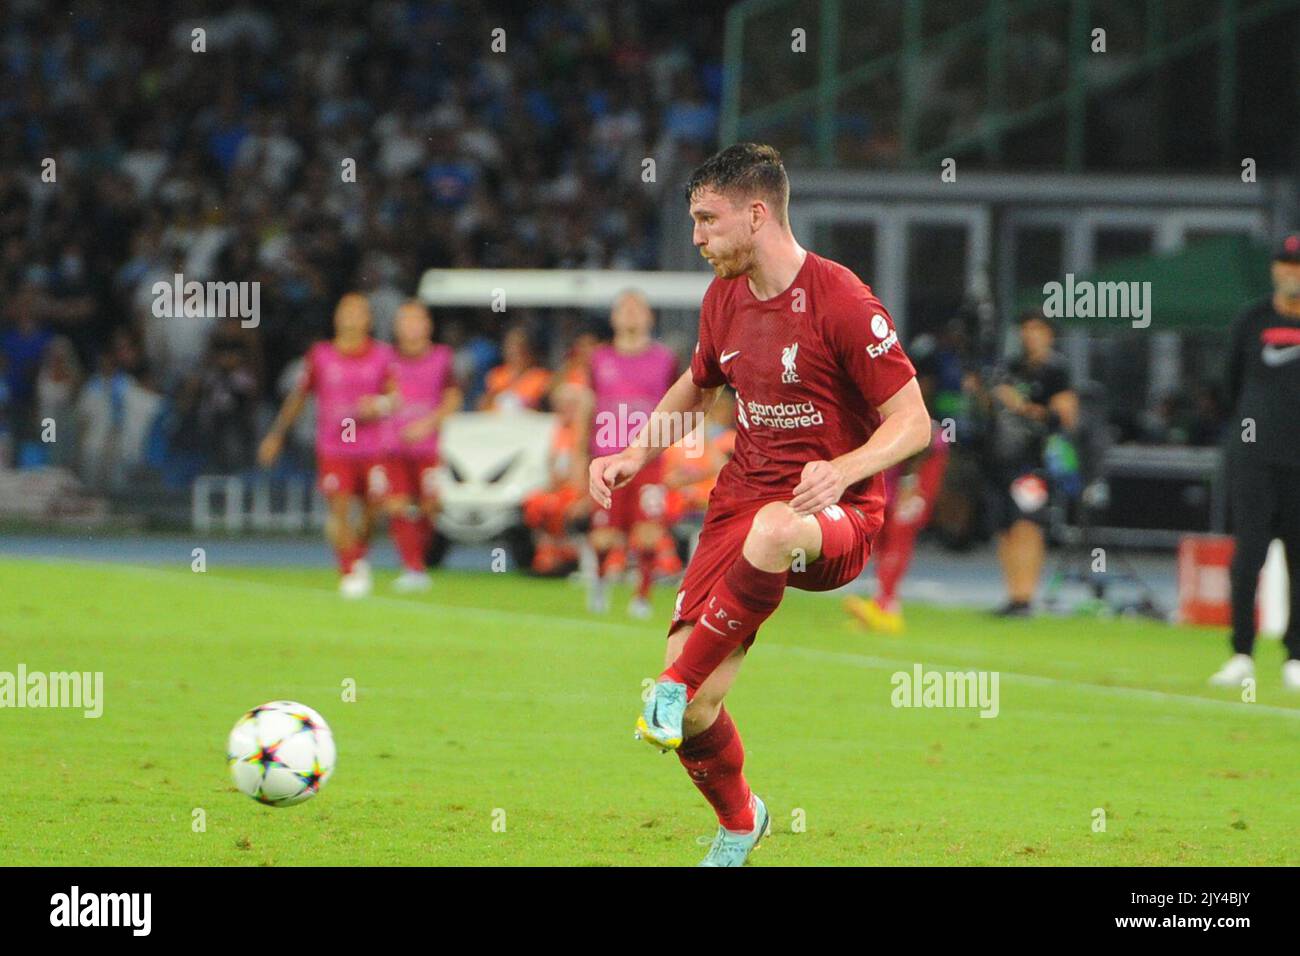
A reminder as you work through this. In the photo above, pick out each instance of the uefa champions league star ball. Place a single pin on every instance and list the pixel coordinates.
(281, 753)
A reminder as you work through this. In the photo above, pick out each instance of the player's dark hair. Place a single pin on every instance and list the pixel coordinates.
(742, 171)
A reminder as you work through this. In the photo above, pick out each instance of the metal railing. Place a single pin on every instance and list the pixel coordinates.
(1221, 26)
(232, 503)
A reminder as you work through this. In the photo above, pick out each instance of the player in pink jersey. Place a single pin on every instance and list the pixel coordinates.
(628, 377)
(825, 401)
(349, 375)
(426, 394)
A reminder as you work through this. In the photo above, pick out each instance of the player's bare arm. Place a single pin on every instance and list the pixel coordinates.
(424, 426)
(372, 407)
(269, 450)
(904, 431)
(683, 402)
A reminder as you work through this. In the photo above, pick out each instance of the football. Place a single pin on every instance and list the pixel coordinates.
(281, 753)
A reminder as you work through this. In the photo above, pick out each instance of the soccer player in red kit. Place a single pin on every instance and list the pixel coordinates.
(825, 401)
(350, 377)
(426, 394)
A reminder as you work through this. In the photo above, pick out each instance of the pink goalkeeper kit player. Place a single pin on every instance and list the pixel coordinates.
(348, 447)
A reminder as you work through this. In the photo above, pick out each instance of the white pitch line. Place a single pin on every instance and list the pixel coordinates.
(420, 606)
(866, 660)
(861, 660)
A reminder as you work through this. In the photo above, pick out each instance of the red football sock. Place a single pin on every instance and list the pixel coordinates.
(408, 537)
(889, 564)
(743, 599)
(714, 759)
(646, 565)
(347, 556)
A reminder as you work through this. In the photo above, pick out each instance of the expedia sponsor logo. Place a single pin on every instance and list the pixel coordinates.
(875, 351)
(781, 415)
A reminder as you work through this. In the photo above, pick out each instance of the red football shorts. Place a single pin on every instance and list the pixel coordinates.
(413, 476)
(354, 477)
(847, 534)
(644, 498)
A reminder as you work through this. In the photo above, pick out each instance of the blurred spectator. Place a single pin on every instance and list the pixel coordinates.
(318, 154)
(57, 385)
(576, 368)
(519, 382)
(114, 415)
(218, 402)
(691, 473)
(1192, 415)
(6, 426)
(551, 512)
(1031, 400)
(23, 344)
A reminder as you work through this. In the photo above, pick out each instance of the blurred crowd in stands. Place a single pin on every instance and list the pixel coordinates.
(315, 147)
(235, 164)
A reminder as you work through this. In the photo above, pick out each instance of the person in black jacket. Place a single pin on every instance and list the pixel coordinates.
(1263, 458)
(1031, 399)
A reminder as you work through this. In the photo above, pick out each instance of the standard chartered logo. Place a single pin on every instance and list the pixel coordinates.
(782, 414)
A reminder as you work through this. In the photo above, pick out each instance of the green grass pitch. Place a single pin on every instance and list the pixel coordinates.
(493, 725)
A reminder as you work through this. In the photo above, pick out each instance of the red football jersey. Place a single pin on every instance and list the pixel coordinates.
(809, 367)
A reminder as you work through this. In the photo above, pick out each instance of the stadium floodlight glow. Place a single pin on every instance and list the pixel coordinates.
(560, 288)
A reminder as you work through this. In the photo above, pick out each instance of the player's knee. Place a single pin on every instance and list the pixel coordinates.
(775, 529)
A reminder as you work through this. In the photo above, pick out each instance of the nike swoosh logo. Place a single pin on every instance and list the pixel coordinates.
(726, 357)
(1275, 356)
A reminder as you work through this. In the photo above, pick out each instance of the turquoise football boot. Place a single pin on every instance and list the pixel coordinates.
(733, 849)
(661, 724)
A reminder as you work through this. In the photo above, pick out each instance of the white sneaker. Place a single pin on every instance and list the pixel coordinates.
(598, 596)
(640, 609)
(412, 582)
(356, 583)
(1291, 674)
(1231, 674)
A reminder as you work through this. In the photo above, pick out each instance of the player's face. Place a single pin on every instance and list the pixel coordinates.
(631, 316)
(352, 317)
(1036, 337)
(722, 233)
(412, 328)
